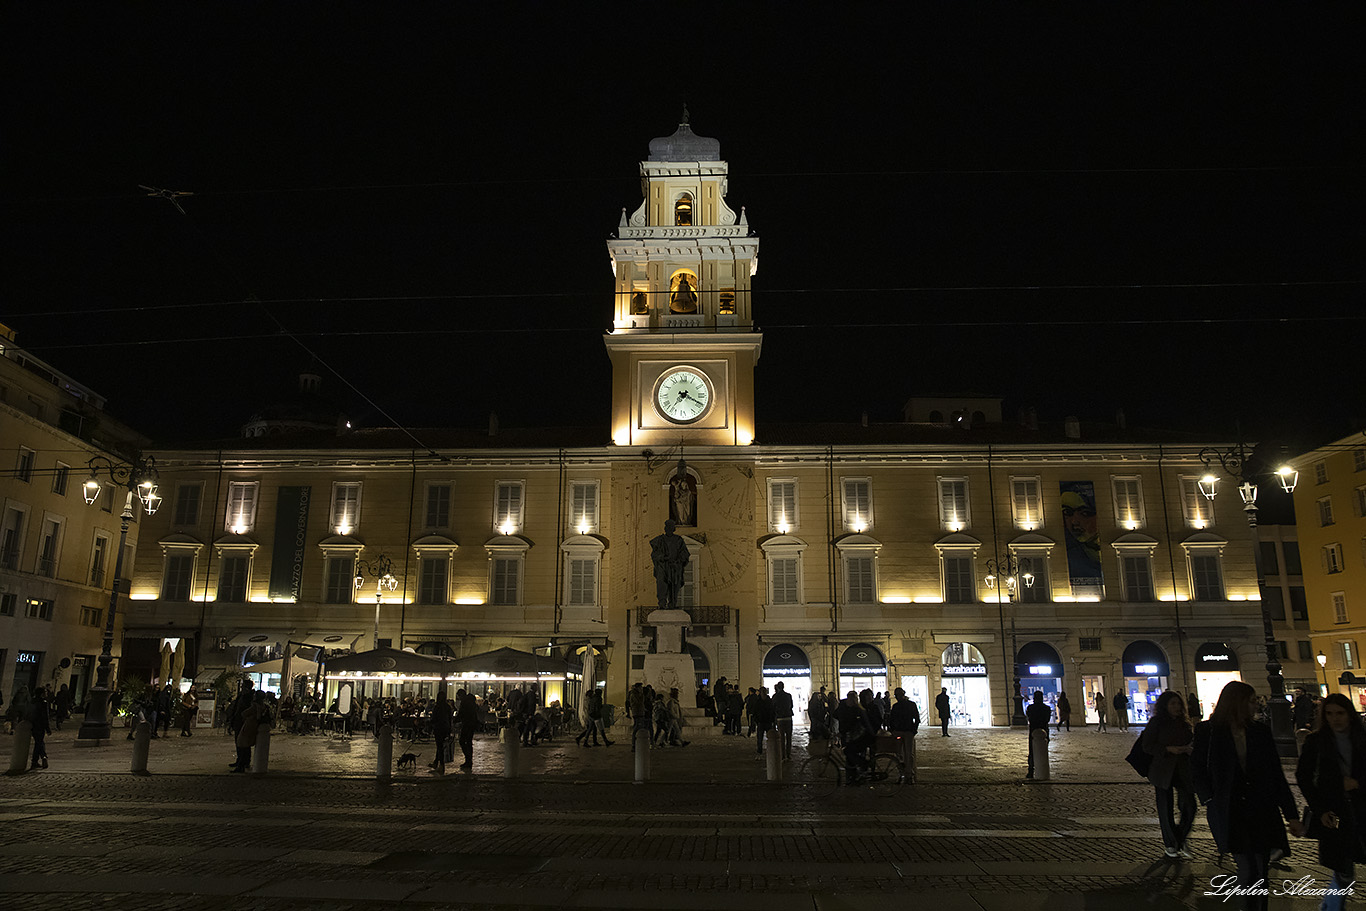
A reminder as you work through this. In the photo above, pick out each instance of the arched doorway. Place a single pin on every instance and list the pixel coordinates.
(1039, 668)
(788, 663)
(862, 667)
(1216, 664)
(963, 673)
(701, 666)
(1145, 677)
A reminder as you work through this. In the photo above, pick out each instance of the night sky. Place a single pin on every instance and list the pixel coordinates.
(1105, 207)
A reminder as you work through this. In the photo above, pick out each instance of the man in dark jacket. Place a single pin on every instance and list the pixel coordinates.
(442, 714)
(718, 696)
(761, 718)
(904, 721)
(467, 717)
(1121, 704)
(941, 705)
(42, 726)
(752, 698)
(782, 719)
(1038, 715)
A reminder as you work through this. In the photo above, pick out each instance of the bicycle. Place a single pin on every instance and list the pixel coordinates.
(888, 767)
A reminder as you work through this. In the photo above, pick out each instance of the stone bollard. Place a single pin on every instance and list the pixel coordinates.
(642, 754)
(512, 743)
(1038, 742)
(142, 744)
(260, 759)
(772, 759)
(384, 753)
(18, 757)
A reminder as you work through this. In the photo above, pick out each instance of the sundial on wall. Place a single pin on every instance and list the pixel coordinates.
(732, 495)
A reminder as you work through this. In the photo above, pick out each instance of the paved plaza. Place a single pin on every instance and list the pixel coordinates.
(708, 831)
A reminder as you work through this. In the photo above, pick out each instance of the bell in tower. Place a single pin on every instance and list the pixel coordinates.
(683, 295)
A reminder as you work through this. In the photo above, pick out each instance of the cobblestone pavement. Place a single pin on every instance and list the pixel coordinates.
(707, 832)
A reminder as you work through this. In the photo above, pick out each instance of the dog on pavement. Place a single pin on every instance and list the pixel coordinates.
(407, 760)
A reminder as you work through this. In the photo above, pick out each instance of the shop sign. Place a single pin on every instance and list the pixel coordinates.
(1145, 669)
(965, 670)
(848, 670)
(1041, 670)
(29, 658)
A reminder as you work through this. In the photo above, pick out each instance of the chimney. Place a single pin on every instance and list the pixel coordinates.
(493, 423)
(1072, 427)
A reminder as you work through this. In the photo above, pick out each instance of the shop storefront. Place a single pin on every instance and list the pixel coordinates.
(1216, 664)
(1040, 669)
(862, 667)
(964, 675)
(788, 663)
(1146, 673)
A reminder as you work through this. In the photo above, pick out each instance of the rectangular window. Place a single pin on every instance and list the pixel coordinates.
(1026, 503)
(1339, 607)
(91, 616)
(24, 469)
(437, 513)
(583, 507)
(1349, 655)
(1128, 502)
(1320, 472)
(340, 584)
(687, 595)
(12, 538)
(1207, 581)
(99, 557)
(48, 548)
(234, 572)
(782, 573)
(1271, 565)
(7, 602)
(1038, 591)
(1291, 551)
(241, 515)
(857, 505)
(860, 585)
(1325, 510)
(1361, 501)
(1332, 558)
(1299, 603)
(1359, 459)
(39, 609)
(59, 479)
(1138, 577)
(507, 508)
(178, 577)
(1088, 643)
(583, 582)
(432, 587)
(1275, 602)
(1306, 650)
(782, 506)
(1197, 508)
(187, 504)
(953, 503)
(959, 585)
(1283, 648)
(507, 580)
(345, 506)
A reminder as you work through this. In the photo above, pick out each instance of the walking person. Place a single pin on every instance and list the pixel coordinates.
(61, 703)
(40, 718)
(1037, 715)
(1238, 777)
(1330, 774)
(945, 710)
(750, 700)
(189, 706)
(815, 714)
(718, 702)
(443, 715)
(904, 721)
(467, 717)
(735, 707)
(1064, 712)
(761, 719)
(592, 708)
(673, 720)
(1167, 738)
(252, 718)
(782, 719)
(1098, 703)
(1121, 704)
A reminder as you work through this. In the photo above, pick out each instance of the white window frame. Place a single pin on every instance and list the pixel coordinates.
(585, 550)
(1321, 472)
(1339, 607)
(1197, 508)
(441, 596)
(1332, 558)
(345, 509)
(178, 551)
(176, 507)
(958, 547)
(583, 513)
(778, 552)
(1128, 514)
(20, 532)
(434, 547)
(23, 465)
(954, 516)
(57, 538)
(1361, 501)
(1348, 650)
(99, 558)
(509, 519)
(514, 552)
(427, 517)
(243, 497)
(1037, 555)
(1126, 577)
(860, 548)
(782, 515)
(1026, 516)
(688, 594)
(1359, 459)
(858, 516)
(1325, 505)
(226, 553)
(61, 475)
(866, 594)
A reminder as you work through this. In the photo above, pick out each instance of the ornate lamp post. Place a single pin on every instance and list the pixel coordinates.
(381, 570)
(1234, 461)
(1323, 669)
(1005, 575)
(137, 479)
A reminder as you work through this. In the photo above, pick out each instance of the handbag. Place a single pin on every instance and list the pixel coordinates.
(1139, 758)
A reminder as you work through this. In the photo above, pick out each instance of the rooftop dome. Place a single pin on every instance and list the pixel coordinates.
(684, 145)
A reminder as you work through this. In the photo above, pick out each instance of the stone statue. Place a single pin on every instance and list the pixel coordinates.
(684, 298)
(669, 554)
(682, 501)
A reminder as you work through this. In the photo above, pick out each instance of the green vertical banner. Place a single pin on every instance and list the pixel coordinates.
(291, 533)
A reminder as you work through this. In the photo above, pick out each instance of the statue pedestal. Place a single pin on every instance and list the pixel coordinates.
(670, 666)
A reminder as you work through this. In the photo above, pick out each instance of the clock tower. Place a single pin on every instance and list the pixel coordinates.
(683, 342)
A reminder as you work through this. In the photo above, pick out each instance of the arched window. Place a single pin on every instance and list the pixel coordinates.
(683, 292)
(683, 210)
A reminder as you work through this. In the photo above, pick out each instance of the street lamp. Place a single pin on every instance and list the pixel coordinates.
(1323, 669)
(1006, 576)
(137, 479)
(381, 570)
(1234, 461)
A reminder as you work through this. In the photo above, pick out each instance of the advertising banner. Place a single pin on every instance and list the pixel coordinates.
(291, 530)
(1078, 505)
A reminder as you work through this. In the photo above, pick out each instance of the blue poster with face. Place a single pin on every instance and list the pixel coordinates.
(1078, 505)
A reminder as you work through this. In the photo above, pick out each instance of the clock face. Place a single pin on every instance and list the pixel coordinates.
(683, 396)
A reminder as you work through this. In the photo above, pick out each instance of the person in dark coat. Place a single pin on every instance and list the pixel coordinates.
(1238, 778)
(252, 717)
(41, 720)
(904, 721)
(442, 715)
(1037, 717)
(1064, 712)
(1304, 710)
(1167, 739)
(941, 705)
(1330, 774)
(718, 697)
(467, 717)
(735, 708)
(761, 718)
(1121, 704)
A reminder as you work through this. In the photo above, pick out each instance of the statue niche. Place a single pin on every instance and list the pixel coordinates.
(683, 294)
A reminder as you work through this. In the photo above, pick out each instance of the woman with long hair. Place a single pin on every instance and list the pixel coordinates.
(1239, 779)
(1167, 739)
(1330, 774)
